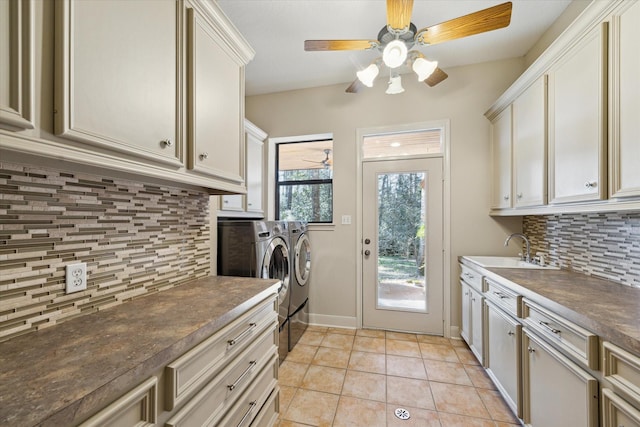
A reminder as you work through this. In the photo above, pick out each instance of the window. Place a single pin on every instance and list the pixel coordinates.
(402, 144)
(304, 181)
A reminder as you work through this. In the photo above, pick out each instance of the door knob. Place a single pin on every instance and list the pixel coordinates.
(367, 241)
(367, 252)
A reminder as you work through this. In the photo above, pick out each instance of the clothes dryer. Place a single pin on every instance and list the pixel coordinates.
(299, 281)
(259, 249)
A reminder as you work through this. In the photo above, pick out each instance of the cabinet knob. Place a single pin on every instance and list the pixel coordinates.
(506, 197)
(511, 333)
(519, 195)
(167, 143)
(204, 156)
(531, 349)
(590, 184)
(226, 202)
(250, 204)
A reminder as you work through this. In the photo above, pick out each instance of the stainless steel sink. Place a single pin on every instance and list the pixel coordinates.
(506, 262)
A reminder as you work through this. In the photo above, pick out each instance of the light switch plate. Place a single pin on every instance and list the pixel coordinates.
(76, 277)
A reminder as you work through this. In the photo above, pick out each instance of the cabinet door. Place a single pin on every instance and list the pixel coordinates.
(255, 160)
(503, 355)
(16, 73)
(577, 121)
(501, 160)
(477, 325)
(465, 328)
(215, 94)
(556, 392)
(116, 84)
(625, 102)
(530, 145)
(233, 203)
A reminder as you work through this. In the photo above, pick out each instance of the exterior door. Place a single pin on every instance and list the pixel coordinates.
(402, 264)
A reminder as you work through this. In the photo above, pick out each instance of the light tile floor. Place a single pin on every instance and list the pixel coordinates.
(344, 377)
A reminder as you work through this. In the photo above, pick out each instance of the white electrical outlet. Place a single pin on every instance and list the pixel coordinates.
(76, 277)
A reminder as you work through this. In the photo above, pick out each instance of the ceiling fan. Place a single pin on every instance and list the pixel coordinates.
(397, 38)
(326, 162)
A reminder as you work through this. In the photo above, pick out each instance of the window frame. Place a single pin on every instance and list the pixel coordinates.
(279, 183)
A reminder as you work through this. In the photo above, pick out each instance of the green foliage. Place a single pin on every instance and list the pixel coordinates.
(306, 202)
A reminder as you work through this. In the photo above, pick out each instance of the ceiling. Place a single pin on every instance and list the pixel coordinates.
(276, 29)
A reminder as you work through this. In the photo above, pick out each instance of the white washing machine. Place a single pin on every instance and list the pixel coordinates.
(299, 281)
(259, 249)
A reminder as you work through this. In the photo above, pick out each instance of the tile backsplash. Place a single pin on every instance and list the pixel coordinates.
(135, 238)
(605, 245)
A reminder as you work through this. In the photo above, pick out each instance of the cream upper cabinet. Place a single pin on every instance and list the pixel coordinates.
(16, 71)
(255, 168)
(530, 145)
(252, 204)
(624, 112)
(577, 121)
(501, 160)
(215, 100)
(116, 83)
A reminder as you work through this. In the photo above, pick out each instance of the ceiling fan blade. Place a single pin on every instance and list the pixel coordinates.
(355, 87)
(478, 22)
(314, 45)
(399, 14)
(436, 77)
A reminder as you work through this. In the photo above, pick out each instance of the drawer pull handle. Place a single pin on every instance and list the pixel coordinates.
(549, 327)
(244, 333)
(499, 295)
(241, 377)
(246, 415)
(531, 349)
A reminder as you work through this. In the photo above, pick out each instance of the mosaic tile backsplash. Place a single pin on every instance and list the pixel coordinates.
(606, 245)
(135, 238)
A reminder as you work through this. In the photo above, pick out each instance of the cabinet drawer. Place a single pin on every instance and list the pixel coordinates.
(246, 409)
(211, 403)
(505, 298)
(617, 412)
(268, 415)
(136, 408)
(188, 373)
(622, 369)
(578, 342)
(472, 277)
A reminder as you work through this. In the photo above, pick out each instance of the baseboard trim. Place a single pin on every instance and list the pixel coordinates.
(332, 321)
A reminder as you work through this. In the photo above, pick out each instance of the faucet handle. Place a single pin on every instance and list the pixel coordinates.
(540, 257)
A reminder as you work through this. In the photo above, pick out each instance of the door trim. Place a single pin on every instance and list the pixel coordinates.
(446, 213)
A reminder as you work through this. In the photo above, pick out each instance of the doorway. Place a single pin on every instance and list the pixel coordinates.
(402, 245)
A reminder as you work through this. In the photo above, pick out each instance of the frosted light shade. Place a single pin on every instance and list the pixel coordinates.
(394, 54)
(424, 68)
(368, 75)
(395, 86)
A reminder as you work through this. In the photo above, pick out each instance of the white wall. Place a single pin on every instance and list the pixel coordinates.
(462, 98)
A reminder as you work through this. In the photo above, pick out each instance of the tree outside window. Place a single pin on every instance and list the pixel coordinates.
(304, 181)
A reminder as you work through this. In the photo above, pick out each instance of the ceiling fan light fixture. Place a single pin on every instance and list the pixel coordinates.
(424, 68)
(394, 54)
(395, 85)
(368, 75)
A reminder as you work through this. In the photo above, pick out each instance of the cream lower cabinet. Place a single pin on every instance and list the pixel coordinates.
(556, 391)
(116, 85)
(530, 145)
(577, 121)
(503, 354)
(472, 330)
(230, 378)
(624, 116)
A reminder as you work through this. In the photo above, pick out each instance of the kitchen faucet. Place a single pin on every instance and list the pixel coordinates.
(527, 256)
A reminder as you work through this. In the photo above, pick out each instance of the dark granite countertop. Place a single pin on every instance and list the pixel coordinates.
(606, 308)
(60, 375)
